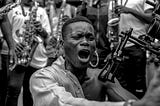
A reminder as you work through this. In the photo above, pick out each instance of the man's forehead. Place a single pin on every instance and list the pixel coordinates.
(81, 25)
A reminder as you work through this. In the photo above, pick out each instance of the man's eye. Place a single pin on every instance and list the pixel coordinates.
(77, 36)
(90, 37)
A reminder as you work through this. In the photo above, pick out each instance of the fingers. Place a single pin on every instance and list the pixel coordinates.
(12, 67)
(120, 9)
(12, 60)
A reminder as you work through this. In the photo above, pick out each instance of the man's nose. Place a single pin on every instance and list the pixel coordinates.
(84, 42)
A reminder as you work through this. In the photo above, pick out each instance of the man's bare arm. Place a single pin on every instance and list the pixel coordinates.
(7, 32)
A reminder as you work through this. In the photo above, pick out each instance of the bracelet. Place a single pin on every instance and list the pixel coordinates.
(129, 102)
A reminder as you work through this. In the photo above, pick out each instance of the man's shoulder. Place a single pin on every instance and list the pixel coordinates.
(44, 71)
(54, 70)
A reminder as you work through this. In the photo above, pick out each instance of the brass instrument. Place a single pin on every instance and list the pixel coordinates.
(55, 42)
(5, 9)
(114, 18)
(28, 39)
(113, 23)
(113, 62)
(60, 21)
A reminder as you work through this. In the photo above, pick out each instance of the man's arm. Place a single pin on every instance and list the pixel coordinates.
(145, 16)
(116, 92)
(7, 32)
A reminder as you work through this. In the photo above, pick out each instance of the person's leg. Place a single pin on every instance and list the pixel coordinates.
(123, 70)
(27, 98)
(14, 86)
(131, 72)
(140, 60)
(4, 73)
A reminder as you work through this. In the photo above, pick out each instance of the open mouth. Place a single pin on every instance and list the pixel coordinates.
(84, 55)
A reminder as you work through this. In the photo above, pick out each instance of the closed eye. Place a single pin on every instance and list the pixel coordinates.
(77, 36)
(90, 36)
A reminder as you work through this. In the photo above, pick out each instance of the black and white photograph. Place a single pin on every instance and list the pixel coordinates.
(80, 52)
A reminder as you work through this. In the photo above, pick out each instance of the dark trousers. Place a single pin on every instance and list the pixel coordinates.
(18, 77)
(131, 73)
(27, 97)
(4, 74)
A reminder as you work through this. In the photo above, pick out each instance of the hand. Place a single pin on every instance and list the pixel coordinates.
(12, 59)
(122, 9)
(40, 30)
(52, 41)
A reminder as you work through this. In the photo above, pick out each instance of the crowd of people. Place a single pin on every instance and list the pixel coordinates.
(48, 48)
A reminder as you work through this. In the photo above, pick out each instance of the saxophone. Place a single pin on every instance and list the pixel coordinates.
(55, 41)
(5, 9)
(113, 24)
(28, 39)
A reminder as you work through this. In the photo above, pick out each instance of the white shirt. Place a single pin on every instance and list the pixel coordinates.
(67, 11)
(129, 21)
(17, 20)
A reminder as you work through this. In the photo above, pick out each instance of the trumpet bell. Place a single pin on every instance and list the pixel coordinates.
(113, 22)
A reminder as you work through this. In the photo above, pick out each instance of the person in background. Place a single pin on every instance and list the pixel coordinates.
(59, 11)
(20, 75)
(136, 14)
(7, 52)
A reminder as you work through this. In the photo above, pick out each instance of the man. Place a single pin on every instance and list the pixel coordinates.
(97, 13)
(67, 81)
(39, 28)
(7, 53)
(136, 14)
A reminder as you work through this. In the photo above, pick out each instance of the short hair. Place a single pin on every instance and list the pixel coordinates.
(73, 20)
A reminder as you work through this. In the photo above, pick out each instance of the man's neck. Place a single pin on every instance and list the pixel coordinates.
(80, 73)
